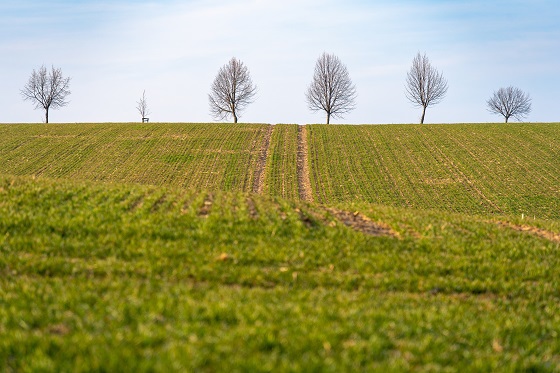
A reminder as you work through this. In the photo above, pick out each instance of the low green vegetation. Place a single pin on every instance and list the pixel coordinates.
(470, 168)
(281, 177)
(128, 247)
(110, 277)
(200, 156)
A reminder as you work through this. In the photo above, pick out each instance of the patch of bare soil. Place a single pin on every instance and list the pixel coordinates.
(305, 218)
(551, 236)
(362, 223)
(304, 182)
(58, 329)
(206, 206)
(258, 179)
(252, 209)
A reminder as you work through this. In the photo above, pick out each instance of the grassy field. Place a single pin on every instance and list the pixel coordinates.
(137, 278)
(128, 247)
(513, 169)
(475, 169)
(200, 156)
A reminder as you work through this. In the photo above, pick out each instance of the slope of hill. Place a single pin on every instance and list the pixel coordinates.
(471, 168)
(106, 277)
(194, 247)
(480, 169)
(202, 156)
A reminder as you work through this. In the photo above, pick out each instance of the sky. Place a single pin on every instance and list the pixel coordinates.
(113, 50)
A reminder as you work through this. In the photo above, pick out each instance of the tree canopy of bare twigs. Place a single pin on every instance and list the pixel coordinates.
(510, 102)
(231, 91)
(143, 106)
(331, 89)
(425, 86)
(47, 89)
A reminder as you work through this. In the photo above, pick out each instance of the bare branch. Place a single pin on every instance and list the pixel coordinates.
(143, 106)
(231, 91)
(425, 86)
(331, 89)
(510, 102)
(47, 90)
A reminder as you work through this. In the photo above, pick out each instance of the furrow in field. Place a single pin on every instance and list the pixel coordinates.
(543, 233)
(206, 206)
(304, 183)
(361, 223)
(260, 170)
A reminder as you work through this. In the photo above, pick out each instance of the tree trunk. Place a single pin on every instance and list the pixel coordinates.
(234, 118)
(328, 118)
(47, 115)
(423, 115)
(507, 119)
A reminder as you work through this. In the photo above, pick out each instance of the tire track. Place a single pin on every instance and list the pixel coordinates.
(543, 233)
(258, 177)
(361, 223)
(304, 183)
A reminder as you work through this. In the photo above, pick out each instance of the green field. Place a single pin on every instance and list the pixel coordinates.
(469, 168)
(475, 169)
(281, 177)
(200, 156)
(129, 247)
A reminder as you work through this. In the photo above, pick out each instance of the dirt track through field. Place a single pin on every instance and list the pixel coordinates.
(551, 236)
(361, 223)
(304, 183)
(258, 179)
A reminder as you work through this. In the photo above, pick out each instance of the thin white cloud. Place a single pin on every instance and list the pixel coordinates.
(115, 50)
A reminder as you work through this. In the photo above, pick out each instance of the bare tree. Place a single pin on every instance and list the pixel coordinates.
(231, 91)
(331, 89)
(425, 86)
(143, 107)
(47, 89)
(510, 102)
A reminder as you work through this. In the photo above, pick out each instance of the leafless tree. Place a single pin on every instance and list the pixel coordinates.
(425, 86)
(143, 106)
(510, 102)
(47, 89)
(331, 89)
(231, 91)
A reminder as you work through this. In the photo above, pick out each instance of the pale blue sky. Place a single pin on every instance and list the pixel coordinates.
(113, 50)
